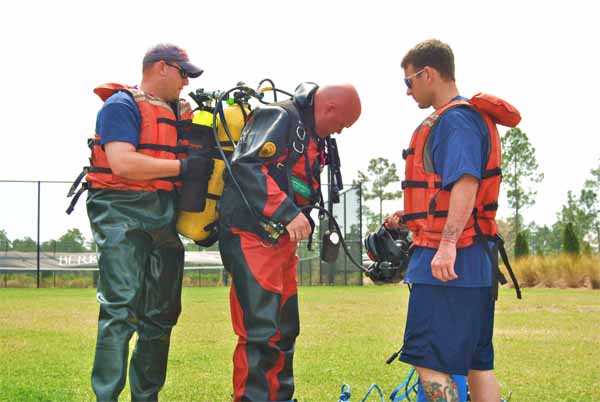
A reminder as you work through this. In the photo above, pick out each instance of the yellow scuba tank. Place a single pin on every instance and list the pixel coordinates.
(201, 226)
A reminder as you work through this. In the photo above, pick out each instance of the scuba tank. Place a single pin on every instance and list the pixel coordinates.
(201, 226)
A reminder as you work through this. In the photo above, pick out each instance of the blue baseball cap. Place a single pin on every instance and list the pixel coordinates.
(171, 53)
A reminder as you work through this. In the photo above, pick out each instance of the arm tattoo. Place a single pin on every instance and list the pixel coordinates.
(437, 392)
(450, 233)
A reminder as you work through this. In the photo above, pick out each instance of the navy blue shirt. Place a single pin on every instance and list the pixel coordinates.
(119, 119)
(459, 146)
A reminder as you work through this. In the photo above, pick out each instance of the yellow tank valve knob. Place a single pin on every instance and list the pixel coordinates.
(267, 150)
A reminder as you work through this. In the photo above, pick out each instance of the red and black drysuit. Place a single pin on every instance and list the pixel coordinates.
(277, 150)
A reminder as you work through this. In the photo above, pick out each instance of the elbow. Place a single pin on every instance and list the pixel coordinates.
(121, 170)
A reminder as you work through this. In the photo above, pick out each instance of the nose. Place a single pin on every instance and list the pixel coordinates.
(186, 81)
(408, 91)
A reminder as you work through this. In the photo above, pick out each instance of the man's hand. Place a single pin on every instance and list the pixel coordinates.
(394, 221)
(299, 228)
(442, 265)
(196, 167)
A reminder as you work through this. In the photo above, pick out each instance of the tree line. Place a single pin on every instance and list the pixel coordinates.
(72, 241)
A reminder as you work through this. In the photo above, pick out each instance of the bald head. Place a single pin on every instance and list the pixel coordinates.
(336, 107)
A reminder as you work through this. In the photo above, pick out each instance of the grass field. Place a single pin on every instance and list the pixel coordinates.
(547, 345)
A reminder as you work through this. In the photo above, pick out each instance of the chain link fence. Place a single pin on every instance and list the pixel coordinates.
(42, 246)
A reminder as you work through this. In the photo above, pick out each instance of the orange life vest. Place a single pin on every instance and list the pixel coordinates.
(426, 203)
(158, 138)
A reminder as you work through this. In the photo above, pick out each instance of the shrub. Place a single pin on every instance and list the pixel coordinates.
(521, 246)
(570, 241)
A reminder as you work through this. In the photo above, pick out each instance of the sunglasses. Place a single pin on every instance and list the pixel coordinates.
(408, 80)
(182, 72)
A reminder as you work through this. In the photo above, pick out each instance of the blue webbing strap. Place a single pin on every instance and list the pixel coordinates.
(405, 387)
(345, 395)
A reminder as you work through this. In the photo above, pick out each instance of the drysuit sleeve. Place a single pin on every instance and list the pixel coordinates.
(264, 141)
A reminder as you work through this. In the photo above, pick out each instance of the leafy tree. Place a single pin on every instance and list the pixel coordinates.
(544, 240)
(72, 241)
(50, 245)
(371, 220)
(593, 186)
(570, 241)
(4, 241)
(579, 212)
(521, 246)
(380, 174)
(24, 244)
(519, 172)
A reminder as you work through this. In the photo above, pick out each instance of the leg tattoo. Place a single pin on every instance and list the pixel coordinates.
(437, 392)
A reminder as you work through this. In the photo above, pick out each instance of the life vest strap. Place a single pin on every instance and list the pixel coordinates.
(167, 148)
(419, 184)
(109, 171)
(75, 184)
(493, 206)
(76, 195)
(181, 124)
(155, 147)
(491, 173)
(494, 261)
(442, 214)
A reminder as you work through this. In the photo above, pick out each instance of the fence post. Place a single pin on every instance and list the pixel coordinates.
(38, 234)
(345, 237)
(360, 230)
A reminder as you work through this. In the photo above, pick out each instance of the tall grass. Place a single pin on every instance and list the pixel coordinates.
(558, 271)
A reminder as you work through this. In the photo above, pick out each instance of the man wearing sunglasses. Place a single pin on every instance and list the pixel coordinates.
(136, 168)
(451, 308)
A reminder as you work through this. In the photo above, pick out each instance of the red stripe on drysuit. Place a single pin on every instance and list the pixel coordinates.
(266, 261)
(274, 194)
(273, 374)
(240, 358)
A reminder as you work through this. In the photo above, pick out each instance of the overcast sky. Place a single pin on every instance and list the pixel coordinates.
(541, 57)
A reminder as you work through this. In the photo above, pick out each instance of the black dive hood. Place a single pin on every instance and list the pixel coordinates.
(304, 94)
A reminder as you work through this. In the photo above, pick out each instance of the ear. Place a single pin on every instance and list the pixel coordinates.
(431, 74)
(162, 67)
(331, 107)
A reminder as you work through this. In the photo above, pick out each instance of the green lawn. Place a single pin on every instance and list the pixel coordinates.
(547, 345)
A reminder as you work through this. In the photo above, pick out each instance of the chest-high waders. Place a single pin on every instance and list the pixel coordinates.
(139, 290)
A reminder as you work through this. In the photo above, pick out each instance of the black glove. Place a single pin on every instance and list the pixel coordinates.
(196, 167)
(195, 173)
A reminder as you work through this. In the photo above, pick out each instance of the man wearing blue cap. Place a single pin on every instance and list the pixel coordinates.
(137, 166)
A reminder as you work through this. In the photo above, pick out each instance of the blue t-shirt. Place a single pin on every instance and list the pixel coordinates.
(459, 145)
(119, 119)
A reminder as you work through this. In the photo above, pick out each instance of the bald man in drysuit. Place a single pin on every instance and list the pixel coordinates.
(277, 165)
